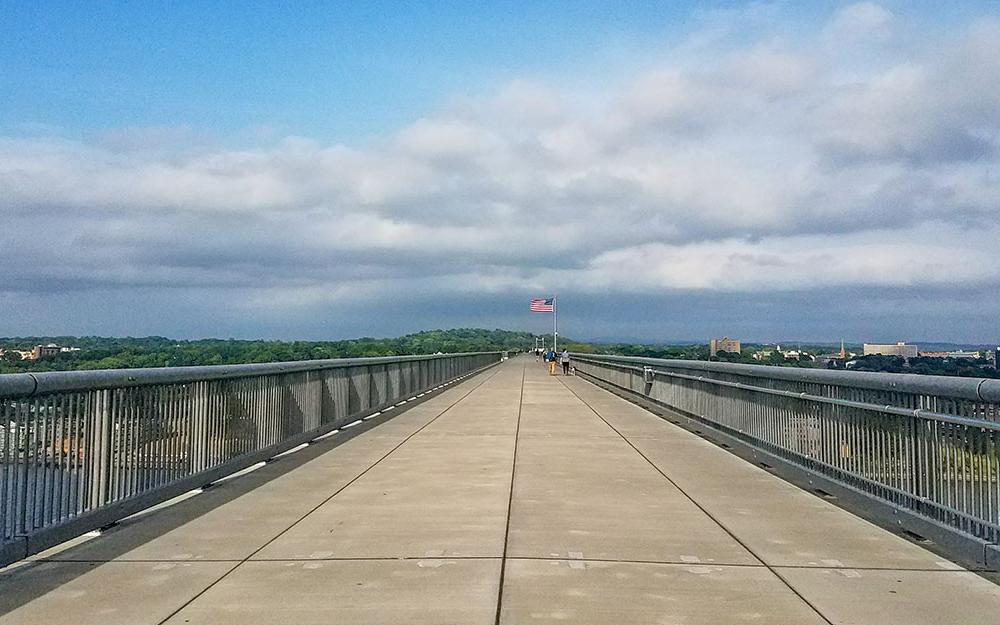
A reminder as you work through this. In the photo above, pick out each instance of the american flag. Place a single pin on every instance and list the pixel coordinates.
(539, 304)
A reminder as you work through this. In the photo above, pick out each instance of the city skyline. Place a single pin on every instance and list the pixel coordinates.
(757, 169)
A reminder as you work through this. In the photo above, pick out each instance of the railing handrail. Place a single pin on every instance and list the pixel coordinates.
(22, 385)
(975, 389)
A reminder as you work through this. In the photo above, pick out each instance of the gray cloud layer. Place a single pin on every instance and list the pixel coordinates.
(859, 156)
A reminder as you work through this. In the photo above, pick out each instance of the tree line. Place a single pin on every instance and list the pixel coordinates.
(157, 351)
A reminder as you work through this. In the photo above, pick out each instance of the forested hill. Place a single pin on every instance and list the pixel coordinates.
(155, 351)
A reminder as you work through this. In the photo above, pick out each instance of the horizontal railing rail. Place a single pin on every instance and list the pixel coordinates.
(80, 450)
(929, 444)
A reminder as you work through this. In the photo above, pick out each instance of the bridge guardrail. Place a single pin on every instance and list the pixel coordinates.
(927, 444)
(80, 450)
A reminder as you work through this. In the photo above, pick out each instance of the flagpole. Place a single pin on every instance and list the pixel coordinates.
(555, 328)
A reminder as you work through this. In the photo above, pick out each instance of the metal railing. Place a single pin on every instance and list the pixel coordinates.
(929, 444)
(80, 450)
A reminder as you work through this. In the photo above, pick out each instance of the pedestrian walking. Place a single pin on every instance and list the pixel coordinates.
(564, 359)
(550, 357)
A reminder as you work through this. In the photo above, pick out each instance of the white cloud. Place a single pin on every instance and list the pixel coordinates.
(759, 167)
(859, 22)
(913, 257)
(447, 139)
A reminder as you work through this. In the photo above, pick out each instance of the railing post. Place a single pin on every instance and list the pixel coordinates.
(314, 418)
(198, 429)
(99, 451)
(21, 525)
(341, 394)
(916, 467)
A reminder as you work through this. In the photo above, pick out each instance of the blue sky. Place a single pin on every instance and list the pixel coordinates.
(330, 71)
(805, 170)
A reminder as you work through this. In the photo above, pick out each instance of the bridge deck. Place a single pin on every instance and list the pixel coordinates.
(547, 495)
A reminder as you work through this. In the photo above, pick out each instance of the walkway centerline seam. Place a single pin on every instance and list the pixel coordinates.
(698, 505)
(325, 501)
(510, 499)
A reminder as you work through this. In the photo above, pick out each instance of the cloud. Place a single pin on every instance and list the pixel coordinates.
(877, 259)
(761, 164)
(858, 22)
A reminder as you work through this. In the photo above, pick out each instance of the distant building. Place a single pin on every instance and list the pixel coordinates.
(21, 355)
(788, 354)
(952, 355)
(725, 344)
(899, 349)
(843, 354)
(45, 351)
(963, 354)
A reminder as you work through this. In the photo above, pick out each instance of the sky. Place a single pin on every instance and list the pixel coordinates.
(671, 170)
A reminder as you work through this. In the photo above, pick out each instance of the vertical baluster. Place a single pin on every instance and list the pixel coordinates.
(84, 426)
(35, 460)
(164, 451)
(135, 468)
(122, 446)
(165, 448)
(58, 450)
(45, 463)
(948, 460)
(5, 469)
(993, 457)
(964, 454)
(151, 455)
(177, 459)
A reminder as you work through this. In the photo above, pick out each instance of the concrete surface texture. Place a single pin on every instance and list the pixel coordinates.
(513, 497)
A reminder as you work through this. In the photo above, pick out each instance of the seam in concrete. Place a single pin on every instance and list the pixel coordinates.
(335, 493)
(510, 499)
(726, 565)
(734, 565)
(699, 506)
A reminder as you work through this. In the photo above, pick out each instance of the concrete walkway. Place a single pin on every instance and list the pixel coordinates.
(512, 497)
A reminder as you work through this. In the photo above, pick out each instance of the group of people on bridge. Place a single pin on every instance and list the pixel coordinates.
(551, 358)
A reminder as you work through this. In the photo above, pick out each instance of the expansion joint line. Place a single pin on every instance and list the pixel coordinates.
(698, 505)
(325, 501)
(510, 500)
